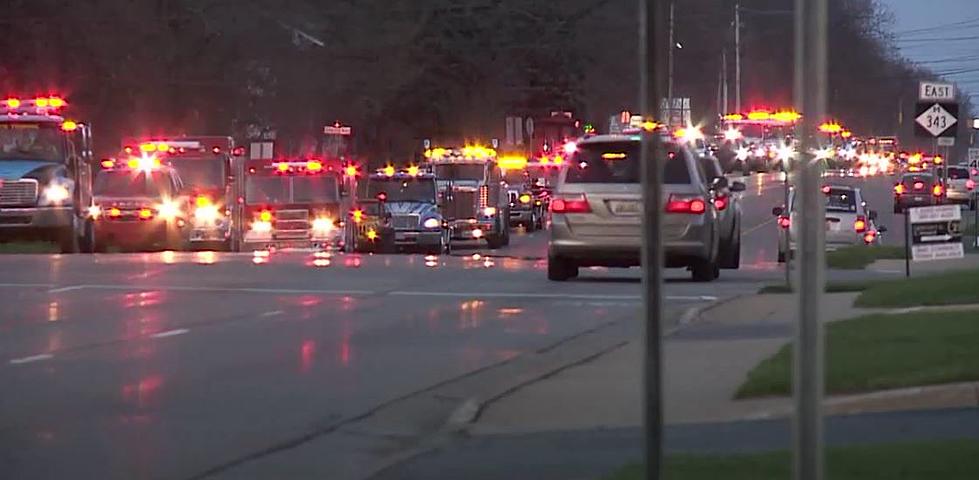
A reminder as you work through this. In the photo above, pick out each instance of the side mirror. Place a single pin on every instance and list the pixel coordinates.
(720, 182)
(738, 187)
(777, 211)
(872, 214)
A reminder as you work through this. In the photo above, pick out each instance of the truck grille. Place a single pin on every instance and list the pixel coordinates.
(291, 225)
(405, 222)
(462, 205)
(18, 193)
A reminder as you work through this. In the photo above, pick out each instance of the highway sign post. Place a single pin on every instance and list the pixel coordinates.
(936, 233)
(933, 119)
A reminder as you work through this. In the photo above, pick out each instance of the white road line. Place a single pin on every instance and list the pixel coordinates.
(756, 227)
(513, 295)
(185, 288)
(273, 313)
(66, 289)
(32, 358)
(170, 333)
(26, 285)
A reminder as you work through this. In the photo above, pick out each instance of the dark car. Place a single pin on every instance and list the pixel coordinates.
(918, 190)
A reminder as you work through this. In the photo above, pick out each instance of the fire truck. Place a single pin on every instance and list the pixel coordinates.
(209, 167)
(474, 200)
(296, 203)
(45, 173)
(137, 202)
(762, 137)
(411, 199)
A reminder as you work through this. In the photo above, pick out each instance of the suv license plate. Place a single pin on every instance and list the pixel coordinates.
(625, 207)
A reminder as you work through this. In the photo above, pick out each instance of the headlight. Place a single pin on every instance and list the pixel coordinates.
(489, 211)
(261, 226)
(525, 198)
(168, 210)
(208, 213)
(55, 194)
(322, 225)
(432, 223)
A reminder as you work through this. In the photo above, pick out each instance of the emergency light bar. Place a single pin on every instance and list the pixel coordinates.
(34, 106)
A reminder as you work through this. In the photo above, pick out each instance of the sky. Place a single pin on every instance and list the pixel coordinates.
(942, 35)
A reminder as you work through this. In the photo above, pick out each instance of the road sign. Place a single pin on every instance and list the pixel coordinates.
(946, 141)
(936, 233)
(973, 157)
(337, 130)
(936, 92)
(936, 119)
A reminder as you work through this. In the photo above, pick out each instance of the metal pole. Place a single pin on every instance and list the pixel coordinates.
(811, 72)
(907, 243)
(724, 81)
(651, 36)
(737, 57)
(669, 61)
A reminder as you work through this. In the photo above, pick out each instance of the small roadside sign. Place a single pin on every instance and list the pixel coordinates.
(337, 130)
(946, 141)
(936, 233)
(936, 92)
(973, 157)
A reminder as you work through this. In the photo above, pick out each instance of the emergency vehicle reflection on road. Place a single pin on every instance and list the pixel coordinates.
(136, 203)
(295, 204)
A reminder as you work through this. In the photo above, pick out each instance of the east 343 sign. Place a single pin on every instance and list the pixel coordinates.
(936, 119)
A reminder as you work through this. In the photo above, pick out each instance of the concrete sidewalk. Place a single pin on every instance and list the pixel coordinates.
(704, 364)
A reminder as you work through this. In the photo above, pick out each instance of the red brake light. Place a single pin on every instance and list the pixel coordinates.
(899, 189)
(784, 222)
(570, 205)
(860, 225)
(691, 205)
(970, 184)
(938, 190)
(826, 189)
(919, 185)
(869, 237)
(721, 202)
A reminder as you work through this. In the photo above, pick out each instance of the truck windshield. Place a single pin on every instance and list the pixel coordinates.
(403, 190)
(460, 171)
(31, 141)
(284, 189)
(123, 183)
(200, 172)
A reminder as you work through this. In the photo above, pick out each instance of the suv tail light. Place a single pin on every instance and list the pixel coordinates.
(899, 189)
(784, 222)
(721, 202)
(970, 184)
(570, 205)
(869, 237)
(860, 225)
(681, 204)
(938, 190)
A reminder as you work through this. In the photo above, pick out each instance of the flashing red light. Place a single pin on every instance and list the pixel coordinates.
(238, 152)
(784, 222)
(350, 171)
(570, 205)
(970, 184)
(282, 167)
(56, 102)
(12, 102)
(115, 212)
(899, 189)
(69, 126)
(314, 166)
(128, 150)
(826, 189)
(860, 225)
(382, 197)
(108, 163)
(216, 150)
(938, 190)
(869, 237)
(41, 102)
(145, 213)
(357, 215)
(721, 202)
(694, 206)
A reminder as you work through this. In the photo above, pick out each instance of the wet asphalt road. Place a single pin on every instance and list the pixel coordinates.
(209, 365)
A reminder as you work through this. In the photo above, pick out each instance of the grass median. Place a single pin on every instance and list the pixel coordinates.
(28, 247)
(952, 288)
(948, 460)
(878, 352)
(858, 257)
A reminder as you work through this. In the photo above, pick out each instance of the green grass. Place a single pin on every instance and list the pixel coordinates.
(878, 352)
(28, 247)
(858, 257)
(959, 287)
(840, 287)
(947, 460)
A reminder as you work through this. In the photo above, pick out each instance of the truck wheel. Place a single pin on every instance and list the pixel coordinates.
(705, 270)
(505, 234)
(560, 269)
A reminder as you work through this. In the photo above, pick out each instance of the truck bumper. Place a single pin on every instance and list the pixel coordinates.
(465, 230)
(34, 223)
(420, 238)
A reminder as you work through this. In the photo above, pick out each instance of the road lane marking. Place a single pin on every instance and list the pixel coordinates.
(273, 313)
(184, 288)
(32, 358)
(567, 296)
(66, 289)
(170, 333)
(26, 285)
(756, 227)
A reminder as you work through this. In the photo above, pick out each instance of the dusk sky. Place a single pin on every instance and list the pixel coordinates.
(921, 27)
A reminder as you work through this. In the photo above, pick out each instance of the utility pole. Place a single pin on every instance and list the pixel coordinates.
(737, 57)
(651, 36)
(669, 81)
(811, 19)
(724, 88)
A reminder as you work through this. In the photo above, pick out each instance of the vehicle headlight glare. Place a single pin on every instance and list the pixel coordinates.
(489, 211)
(207, 213)
(261, 226)
(168, 210)
(432, 223)
(56, 193)
(322, 225)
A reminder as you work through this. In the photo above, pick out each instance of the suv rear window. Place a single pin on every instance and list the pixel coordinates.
(958, 173)
(910, 180)
(841, 200)
(618, 162)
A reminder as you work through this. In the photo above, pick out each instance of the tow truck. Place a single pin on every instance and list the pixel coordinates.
(474, 202)
(410, 197)
(137, 203)
(296, 204)
(209, 167)
(45, 173)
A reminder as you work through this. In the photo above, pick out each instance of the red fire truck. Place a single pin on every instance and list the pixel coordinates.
(209, 167)
(296, 203)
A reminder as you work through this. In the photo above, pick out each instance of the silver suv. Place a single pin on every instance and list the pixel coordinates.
(596, 211)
